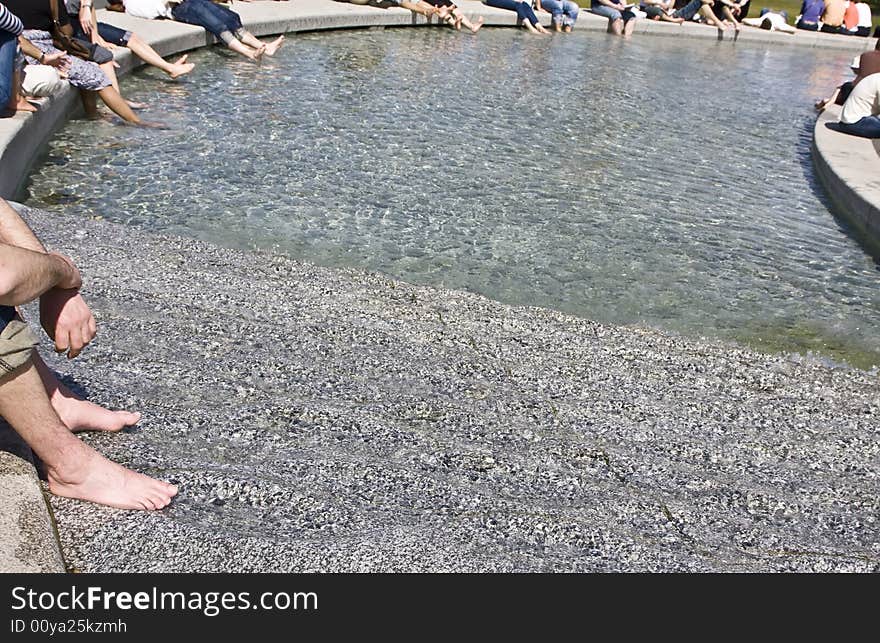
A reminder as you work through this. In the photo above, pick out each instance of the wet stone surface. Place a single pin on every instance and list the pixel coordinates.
(335, 420)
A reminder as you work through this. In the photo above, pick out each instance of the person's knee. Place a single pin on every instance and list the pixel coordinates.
(41, 81)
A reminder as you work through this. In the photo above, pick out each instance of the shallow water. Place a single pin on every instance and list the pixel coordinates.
(653, 181)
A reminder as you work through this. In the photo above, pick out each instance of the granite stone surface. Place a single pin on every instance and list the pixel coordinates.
(327, 420)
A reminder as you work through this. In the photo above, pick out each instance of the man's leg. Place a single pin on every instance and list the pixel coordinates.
(867, 127)
(73, 469)
(143, 51)
(78, 414)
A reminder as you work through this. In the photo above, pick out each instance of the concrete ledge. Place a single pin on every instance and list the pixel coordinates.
(28, 543)
(847, 166)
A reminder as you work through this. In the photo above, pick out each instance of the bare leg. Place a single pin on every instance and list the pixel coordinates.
(146, 53)
(74, 469)
(17, 103)
(110, 70)
(422, 8)
(616, 26)
(117, 104)
(247, 52)
(274, 46)
(709, 17)
(90, 103)
(462, 20)
(78, 414)
(665, 17)
(729, 15)
(269, 48)
(629, 27)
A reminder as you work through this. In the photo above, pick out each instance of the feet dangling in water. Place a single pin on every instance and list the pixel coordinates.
(271, 47)
(180, 67)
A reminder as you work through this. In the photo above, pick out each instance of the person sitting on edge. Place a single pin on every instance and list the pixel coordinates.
(811, 11)
(850, 19)
(832, 17)
(32, 400)
(842, 92)
(863, 28)
(564, 13)
(728, 11)
(449, 12)
(37, 42)
(772, 21)
(621, 17)
(869, 64)
(524, 13)
(859, 114)
(224, 23)
(663, 10)
(86, 26)
(10, 100)
(418, 6)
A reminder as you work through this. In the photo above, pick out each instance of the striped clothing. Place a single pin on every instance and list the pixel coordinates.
(9, 22)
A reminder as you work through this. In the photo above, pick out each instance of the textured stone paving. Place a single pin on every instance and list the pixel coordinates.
(332, 420)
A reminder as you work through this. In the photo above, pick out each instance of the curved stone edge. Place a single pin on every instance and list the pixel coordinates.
(847, 167)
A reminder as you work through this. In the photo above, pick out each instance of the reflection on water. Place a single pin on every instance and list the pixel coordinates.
(651, 181)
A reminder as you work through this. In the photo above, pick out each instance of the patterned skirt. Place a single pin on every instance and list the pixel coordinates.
(82, 73)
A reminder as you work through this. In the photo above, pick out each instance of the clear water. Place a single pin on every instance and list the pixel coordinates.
(655, 181)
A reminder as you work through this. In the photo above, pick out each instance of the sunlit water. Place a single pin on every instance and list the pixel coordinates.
(656, 181)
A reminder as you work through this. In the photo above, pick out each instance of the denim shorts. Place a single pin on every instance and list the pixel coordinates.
(612, 14)
(17, 341)
(113, 35)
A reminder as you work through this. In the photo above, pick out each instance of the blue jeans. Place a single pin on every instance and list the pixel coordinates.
(688, 11)
(523, 10)
(204, 13)
(612, 14)
(563, 11)
(866, 127)
(8, 48)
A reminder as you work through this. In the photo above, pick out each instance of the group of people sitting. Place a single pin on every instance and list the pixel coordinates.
(44, 43)
(830, 16)
(859, 98)
(835, 16)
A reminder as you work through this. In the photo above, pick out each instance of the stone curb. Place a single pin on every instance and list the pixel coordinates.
(847, 168)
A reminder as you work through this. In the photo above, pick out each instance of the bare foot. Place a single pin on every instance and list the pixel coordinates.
(271, 47)
(79, 415)
(136, 105)
(87, 475)
(478, 25)
(21, 105)
(180, 67)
